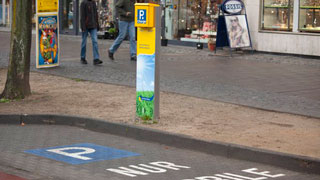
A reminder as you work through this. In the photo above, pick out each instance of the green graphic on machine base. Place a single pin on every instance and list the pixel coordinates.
(145, 86)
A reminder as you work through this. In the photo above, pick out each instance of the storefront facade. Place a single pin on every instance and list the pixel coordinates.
(185, 20)
(282, 26)
(285, 26)
(69, 12)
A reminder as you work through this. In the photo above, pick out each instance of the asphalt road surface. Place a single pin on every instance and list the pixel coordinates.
(39, 152)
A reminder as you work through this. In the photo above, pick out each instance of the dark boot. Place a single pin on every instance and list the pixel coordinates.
(83, 61)
(110, 54)
(97, 61)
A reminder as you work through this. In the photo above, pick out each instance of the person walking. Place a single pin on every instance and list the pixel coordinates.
(125, 9)
(89, 24)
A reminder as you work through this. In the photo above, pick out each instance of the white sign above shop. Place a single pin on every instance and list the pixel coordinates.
(233, 6)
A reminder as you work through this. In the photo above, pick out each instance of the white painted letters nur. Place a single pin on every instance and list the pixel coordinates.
(157, 167)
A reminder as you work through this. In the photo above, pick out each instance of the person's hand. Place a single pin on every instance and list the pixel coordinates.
(128, 13)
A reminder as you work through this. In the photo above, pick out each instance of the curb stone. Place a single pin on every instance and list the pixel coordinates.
(287, 161)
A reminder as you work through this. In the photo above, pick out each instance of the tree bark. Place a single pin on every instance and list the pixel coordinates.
(17, 84)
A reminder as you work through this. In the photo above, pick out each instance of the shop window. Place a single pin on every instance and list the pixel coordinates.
(105, 8)
(193, 20)
(309, 19)
(277, 15)
(5, 13)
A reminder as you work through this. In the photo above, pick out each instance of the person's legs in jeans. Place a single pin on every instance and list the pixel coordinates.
(94, 38)
(123, 28)
(84, 44)
(132, 34)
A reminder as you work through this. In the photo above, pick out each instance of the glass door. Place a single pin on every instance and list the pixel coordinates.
(197, 20)
(68, 16)
(171, 19)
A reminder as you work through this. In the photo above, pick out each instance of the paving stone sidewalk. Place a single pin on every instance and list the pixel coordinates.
(281, 83)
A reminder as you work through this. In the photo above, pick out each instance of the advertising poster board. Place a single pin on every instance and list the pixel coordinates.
(237, 29)
(233, 30)
(47, 49)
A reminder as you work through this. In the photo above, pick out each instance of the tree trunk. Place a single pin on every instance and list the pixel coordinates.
(17, 84)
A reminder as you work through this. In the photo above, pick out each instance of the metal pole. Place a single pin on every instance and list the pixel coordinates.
(75, 17)
(296, 7)
(3, 12)
(163, 21)
(10, 14)
(60, 13)
(157, 70)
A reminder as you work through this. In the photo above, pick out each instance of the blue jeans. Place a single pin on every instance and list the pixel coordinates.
(124, 28)
(93, 33)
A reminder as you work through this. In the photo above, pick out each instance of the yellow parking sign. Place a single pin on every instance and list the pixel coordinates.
(145, 14)
(44, 6)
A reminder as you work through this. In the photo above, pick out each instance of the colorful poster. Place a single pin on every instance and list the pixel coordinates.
(44, 6)
(47, 41)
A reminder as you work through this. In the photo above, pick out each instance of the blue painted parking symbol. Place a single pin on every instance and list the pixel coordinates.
(81, 153)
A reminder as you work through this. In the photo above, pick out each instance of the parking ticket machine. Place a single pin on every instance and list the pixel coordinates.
(148, 23)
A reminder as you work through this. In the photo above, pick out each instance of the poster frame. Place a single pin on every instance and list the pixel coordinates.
(242, 25)
(38, 45)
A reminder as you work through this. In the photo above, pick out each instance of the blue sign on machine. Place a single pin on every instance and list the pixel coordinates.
(81, 153)
(142, 16)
